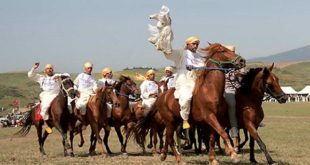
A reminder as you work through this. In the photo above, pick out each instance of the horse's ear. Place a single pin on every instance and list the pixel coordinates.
(209, 43)
(106, 83)
(266, 73)
(271, 67)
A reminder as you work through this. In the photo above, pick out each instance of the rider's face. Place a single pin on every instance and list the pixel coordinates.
(49, 71)
(193, 46)
(88, 70)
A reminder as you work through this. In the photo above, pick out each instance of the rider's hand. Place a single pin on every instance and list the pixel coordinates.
(36, 65)
(189, 67)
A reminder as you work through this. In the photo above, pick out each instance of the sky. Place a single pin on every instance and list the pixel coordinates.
(67, 33)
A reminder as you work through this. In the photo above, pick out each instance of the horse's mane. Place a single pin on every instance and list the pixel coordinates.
(122, 79)
(248, 79)
(209, 51)
(212, 49)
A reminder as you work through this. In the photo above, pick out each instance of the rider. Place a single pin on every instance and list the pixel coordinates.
(107, 77)
(185, 77)
(50, 84)
(149, 90)
(86, 85)
(231, 83)
(169, 77)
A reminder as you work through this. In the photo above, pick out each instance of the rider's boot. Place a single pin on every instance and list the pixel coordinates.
(46, 127)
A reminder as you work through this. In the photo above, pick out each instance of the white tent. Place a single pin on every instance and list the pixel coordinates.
(288, 90)
(305, 91)
(292, 94)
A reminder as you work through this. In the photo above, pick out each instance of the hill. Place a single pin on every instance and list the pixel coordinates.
(299, 54)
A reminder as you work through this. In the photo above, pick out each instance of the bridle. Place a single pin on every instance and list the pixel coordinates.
(272, 94)
(63, 86)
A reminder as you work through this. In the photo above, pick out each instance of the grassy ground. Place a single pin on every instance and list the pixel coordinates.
(286, 135)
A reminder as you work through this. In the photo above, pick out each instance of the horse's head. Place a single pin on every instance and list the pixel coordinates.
(67, 86)
(222, 57)
(127, 86)
(263, 80)
(272, 85)
(107, 93)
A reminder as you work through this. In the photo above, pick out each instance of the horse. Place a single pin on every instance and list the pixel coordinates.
(123, 115)
(59, 117)
(249, 98)
(96, 114)
(207, 101)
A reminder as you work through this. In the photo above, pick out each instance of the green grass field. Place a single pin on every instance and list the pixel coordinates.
(286, 136)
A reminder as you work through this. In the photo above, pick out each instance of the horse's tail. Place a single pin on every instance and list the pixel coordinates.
(27, 125)
(142, 127)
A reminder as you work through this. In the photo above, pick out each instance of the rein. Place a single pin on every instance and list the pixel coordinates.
(221, 63)
(212, 68)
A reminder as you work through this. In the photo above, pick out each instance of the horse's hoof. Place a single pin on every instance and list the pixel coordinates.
(235, 158)
(149, 146)
(163, 157)
(273, 163)
(81, 144)
(214, 162)
(182, 163)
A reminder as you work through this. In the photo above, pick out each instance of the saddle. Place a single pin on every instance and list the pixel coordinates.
(37, 110)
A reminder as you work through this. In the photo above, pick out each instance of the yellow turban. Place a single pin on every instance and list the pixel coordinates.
(88, 64)
(105, 71)
(49, 66)
(169, 68)
(230, 47)
(149, 72)
(192, 39)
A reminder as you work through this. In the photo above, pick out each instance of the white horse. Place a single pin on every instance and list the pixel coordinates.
(162, 31)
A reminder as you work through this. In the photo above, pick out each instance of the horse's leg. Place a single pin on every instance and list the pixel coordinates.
(128, 131)
(67, 148)
(161, 140)
(40, 139)
(253, 132)
(154, 151)
(95, 128)
(119, 134)
(218, 143)
(252, 155)
(212, 120)
(92, 145)
(169, 140)
(246, 138)
(212, 158)
(199, 134)
(150, 145)
(105, 140)
(81, 137)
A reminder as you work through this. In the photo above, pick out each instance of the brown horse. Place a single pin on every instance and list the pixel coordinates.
(123, 115)
(156, 124)
(207, 102)
(249, 98)
(96, 114)
(59, 117)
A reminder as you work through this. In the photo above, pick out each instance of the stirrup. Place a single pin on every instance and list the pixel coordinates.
(47, 129)
(186, 125)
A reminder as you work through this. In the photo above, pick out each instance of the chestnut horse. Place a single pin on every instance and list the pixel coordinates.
(207, 102)
(249, 98)
(59, 117)
(123, 115)
(96, 114)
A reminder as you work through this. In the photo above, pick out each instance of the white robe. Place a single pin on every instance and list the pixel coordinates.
(50, 87)
(86, 85)
(147, 88)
